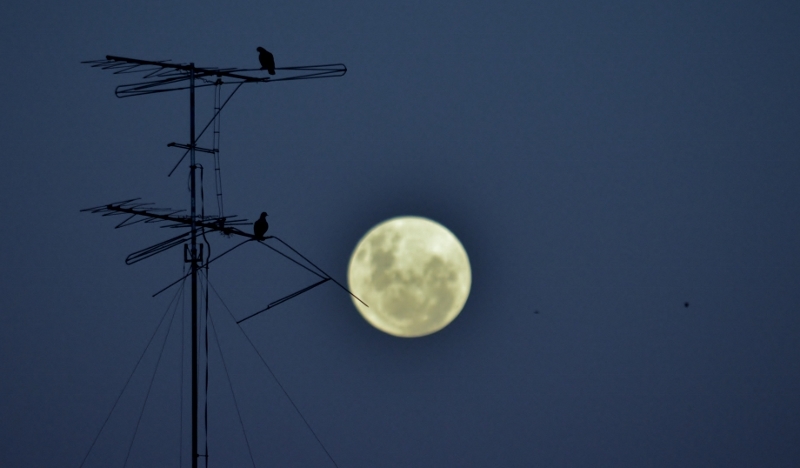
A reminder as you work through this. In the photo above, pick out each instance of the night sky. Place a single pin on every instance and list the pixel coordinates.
(603, 163)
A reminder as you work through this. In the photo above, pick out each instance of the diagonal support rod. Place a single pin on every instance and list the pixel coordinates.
(284, 299)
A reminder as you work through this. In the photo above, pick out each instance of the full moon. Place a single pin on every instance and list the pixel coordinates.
(413, 273)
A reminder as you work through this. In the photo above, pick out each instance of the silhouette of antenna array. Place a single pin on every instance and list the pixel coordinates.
(137, 212)
(165, 76)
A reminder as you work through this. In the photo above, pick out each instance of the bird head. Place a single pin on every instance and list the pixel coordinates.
(261, 49)
(263, 214)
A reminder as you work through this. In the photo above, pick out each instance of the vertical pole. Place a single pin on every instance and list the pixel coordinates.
(195, 441)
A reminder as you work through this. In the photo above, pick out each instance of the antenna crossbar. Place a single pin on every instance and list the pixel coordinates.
(189, 147)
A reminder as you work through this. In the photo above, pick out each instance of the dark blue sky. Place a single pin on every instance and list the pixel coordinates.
(601, 163)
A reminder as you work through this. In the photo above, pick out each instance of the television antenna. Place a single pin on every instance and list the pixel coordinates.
(166, 76)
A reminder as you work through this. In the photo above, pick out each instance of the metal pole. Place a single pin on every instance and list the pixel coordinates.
(195, 441)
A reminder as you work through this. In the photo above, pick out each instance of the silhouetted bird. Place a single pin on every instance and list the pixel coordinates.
(260, 227)
(686, 304)
(267, 60)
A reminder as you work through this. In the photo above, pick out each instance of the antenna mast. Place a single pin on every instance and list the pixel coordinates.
(165, 76)
(194, 266)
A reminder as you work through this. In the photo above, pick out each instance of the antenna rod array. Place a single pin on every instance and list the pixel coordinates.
(163, 76)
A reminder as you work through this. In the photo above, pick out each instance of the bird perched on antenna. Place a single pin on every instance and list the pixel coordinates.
(261, 226)
(267, 60)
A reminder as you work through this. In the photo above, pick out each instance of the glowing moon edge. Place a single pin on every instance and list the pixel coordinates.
(414, 274)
